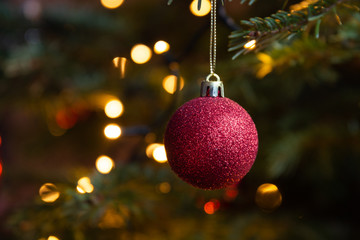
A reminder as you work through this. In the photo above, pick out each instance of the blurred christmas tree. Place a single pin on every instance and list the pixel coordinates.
(63, 62)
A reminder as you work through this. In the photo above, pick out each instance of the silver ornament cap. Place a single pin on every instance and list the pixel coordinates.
(211, 88)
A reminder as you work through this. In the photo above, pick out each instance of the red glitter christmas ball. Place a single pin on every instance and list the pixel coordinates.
(211, 142)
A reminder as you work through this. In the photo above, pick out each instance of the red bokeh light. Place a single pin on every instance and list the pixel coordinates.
(212, 206)
(66, 119)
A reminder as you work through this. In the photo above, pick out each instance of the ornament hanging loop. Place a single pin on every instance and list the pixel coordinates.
(213, 75)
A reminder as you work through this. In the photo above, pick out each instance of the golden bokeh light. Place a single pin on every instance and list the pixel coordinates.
(250, 44)
(116, 61)
(204, 10)
(52, 238)
(164, 187)
(84, 185)
(120, 62)
(150, 149)
(114, 108)
(141, 53)
(169, 83)
(112, 131)
(161, 47)
(80, 190)
(159, 154)
(49, 193)
(111, 4)
(266, 65)
(268, 197)
(104, 164)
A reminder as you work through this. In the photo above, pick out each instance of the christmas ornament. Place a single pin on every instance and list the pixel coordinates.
(211, 142)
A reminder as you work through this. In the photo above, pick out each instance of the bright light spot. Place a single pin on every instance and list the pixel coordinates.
(264, 70)
(204, 10)
(111, 4)
(113, 108)
(116, 61)
(265, 58)
(268, 197)
(112, 131)
(49, 193)
(161, 47)
(120, 62)
(80, 190)
(0, 140)
(1, 168)
(104, 164)
(84, 185)
(170, 83)
(140, 53)
(52, 238)
(159, 154)
(150, 149)
(164, 187)
(212, 206)
(266, 65)
(250, 45)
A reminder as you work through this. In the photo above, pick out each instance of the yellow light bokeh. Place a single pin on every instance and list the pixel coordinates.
(116, 61)
(104, 164)
(204, 10)
(52, 238)
(164, 187)
(114, 108)
(250, 45)
(111, 4)
(140, 53)
(161, 47)
(84, 185)
(169, 83)
(266, 65)
(120, 62)
(268, 197)
(159, 154)
(49, 193)
(150, 149)
(112, 131)
(80, 190)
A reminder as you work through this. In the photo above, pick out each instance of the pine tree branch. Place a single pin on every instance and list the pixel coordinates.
(278, 26)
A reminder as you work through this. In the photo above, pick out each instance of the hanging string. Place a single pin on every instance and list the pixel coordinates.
(213, 38)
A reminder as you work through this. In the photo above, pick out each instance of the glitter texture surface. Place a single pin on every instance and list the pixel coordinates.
(211, 142)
